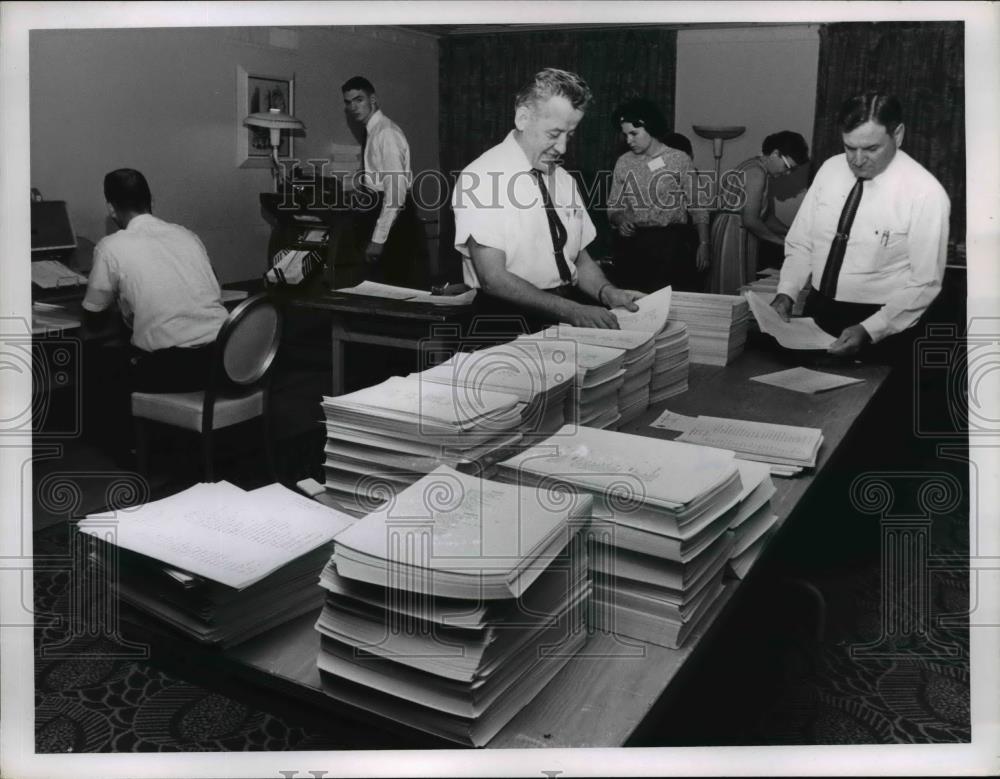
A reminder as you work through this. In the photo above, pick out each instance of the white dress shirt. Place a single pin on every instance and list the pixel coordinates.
(162, 277)
(498, 202)
(897, 248)
(387, 169)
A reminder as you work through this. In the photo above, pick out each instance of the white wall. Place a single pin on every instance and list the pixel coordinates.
(761, 77)
(164, 101)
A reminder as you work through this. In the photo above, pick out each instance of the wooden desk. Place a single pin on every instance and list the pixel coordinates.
(606, 690)
(382, 322)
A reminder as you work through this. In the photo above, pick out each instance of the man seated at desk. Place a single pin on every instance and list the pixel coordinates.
(166, 290)
(873, 232)
(520, 223)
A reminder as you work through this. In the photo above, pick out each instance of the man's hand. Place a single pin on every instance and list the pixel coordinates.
(624, 225)
(783, 305)
(850, 342)
(621, 298)
(593, 316)
(373, 251)
(703, 256)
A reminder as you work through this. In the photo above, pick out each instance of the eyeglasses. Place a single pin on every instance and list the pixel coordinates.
(788, 166)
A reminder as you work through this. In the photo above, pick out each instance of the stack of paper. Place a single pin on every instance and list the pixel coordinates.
(670, 366)
(383, 438)
(218, 563)
(543, 380)
(600, 373)
(659, 540)
(717, 325)
(786, 448)
(452, 609)
(766, 286)
(752, 519)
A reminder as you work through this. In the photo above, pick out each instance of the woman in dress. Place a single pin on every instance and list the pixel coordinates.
(747, 235)
(652, 194)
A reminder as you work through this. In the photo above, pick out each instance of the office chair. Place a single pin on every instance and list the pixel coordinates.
(238, 387)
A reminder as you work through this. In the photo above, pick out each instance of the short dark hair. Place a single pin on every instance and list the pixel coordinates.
(358, 82)
(870, 106)
(552, 82)
(128, 191)
(679, 141)
(643, 113)
(788, 143)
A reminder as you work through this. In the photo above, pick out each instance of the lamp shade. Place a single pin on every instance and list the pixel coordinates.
(713, 132)
(274, 120)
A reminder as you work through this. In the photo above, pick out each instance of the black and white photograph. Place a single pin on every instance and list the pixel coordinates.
(530, 389)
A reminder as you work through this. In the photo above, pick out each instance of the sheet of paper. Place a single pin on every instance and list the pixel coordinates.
(49, 274)
(798, 333)
(445, 300)
(764, 438)
(805, 380)
(652, 314)
(375, 289)
(230, 295)
(668, 420)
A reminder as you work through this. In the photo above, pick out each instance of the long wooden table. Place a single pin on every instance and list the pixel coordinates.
(605, 691)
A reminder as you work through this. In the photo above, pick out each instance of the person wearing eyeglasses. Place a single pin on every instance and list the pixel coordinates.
(747, 235)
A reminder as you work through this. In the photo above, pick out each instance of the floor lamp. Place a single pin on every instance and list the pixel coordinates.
(275, 121)
(718, 135)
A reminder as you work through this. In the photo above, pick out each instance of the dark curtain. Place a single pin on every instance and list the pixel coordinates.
(481, 74)
(923, 64)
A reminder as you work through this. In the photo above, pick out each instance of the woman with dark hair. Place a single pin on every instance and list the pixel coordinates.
(652, 194)
(747, 235)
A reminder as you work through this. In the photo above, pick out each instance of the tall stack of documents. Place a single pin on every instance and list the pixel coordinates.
(753, 518)
(600, 373)
(383, 438)
(660, 536)
(717, 325)
(452, 609)
(218, 563)
(543, 380)
(671, 364)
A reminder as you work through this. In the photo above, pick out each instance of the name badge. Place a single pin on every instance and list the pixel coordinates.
(655, 164)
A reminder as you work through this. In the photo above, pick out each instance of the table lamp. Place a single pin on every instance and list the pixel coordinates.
(718, 135)
(274, 120)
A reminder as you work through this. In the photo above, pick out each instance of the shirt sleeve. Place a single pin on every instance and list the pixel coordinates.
(797, 267)
(102, 285)
(391, 151)
(927, 246)
(477, 212)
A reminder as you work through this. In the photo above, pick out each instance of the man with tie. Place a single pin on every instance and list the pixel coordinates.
(872, 231)
(386, 220)
(520, 223)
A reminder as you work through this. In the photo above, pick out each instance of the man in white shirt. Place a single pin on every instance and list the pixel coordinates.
(520, 223)
(165, 287)
(891, 255)
(387, 217)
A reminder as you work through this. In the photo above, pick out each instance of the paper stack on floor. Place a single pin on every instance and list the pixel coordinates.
(543, 380)
(717, 325)
(383, 438)
(451, 610)
(218, 563)
(660, 537)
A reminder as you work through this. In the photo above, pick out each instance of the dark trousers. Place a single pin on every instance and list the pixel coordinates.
(496, 318)
(836, 315)
(404, 261)
(655, 257)
(178, 369)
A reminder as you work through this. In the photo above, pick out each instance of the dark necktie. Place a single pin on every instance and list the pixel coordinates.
(831, 272)
(556, 229)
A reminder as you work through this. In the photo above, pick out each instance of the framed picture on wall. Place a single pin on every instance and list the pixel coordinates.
(257, 92)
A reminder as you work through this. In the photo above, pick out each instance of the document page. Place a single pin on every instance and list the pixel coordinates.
(375, 289)
(49, 274)
(764, 438)
(798, 333)
(805, 380)
(652, 314)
